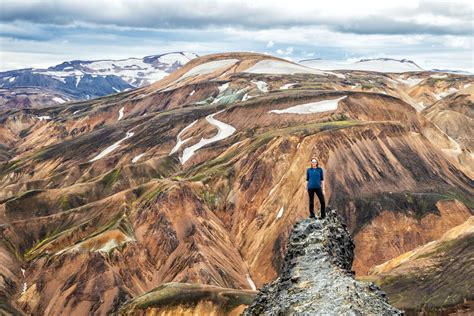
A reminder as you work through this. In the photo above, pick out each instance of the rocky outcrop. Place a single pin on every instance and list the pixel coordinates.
(316, 277)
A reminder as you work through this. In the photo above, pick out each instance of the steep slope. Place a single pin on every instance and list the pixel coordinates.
(199, 178)
(454, 115)
(316, 277)
(435, 277)
(83, 80)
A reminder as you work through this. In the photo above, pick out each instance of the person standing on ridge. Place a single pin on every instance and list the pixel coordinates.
(315, 176)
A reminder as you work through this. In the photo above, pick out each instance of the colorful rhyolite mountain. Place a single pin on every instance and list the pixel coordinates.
(190, 186)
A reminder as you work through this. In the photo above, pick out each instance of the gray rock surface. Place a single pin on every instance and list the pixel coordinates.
(316, 278)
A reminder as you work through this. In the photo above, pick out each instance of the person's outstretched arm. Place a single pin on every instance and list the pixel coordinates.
(307, 175)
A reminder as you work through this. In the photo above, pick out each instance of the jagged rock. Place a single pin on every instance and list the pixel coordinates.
(316, 277)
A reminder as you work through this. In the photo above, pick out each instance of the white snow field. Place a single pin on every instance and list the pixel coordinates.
(278, 67)
(44, 117)
(439, 76)
(441, 95)
(378, 65)
(120, 114)
(287, 86)
(261, 85)
(310, 108)
(136, 158)
(246, 97)
(223, 87)
(280, 212)
(410, 81)
(112, 147)
(209, 67)
(251, 283)
(223, 131)
(59, 100)
(179, 141)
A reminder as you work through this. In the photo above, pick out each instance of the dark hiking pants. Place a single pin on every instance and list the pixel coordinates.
(319, 193)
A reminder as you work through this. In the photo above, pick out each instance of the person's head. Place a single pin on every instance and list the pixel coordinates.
(314, 162)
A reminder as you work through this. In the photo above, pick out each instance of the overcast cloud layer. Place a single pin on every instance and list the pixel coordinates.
(435, 34)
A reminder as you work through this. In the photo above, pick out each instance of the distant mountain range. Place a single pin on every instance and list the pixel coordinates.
(378, 65)
(83, 80)
(375, 64)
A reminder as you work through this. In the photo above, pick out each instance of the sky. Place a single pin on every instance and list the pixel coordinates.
(434, 34)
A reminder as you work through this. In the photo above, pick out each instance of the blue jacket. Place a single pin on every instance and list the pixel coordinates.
(314, 176)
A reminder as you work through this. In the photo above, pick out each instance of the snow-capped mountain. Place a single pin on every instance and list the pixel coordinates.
(454, 71)
(83, 80)
(378, 64)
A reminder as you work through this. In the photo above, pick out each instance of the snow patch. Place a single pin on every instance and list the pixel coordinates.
(112, 147)
(115, 89)
(271, 191)
(120, 114)
(78, 79)
(223, 131)
(287, 86)
(278, 67)
(251, 283)
(136, 158)
(209, 67)
(179, 142)
(58, 100)
(441, 95)
(261, 85)
(439, 76)
(44, 117)
(25, 287)
(246, 97)
(410, 81)
(192, 92)
(223, 87)
(12, 79)
(280, 212)
(310, 108)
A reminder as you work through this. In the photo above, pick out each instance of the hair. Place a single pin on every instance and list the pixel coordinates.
(317, 161)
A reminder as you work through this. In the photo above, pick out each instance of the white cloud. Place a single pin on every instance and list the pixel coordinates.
(287, 51)
(433, 34)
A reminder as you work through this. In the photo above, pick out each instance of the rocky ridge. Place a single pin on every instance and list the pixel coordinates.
(317, 278)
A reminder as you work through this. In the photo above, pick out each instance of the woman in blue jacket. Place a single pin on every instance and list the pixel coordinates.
(315, 176)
